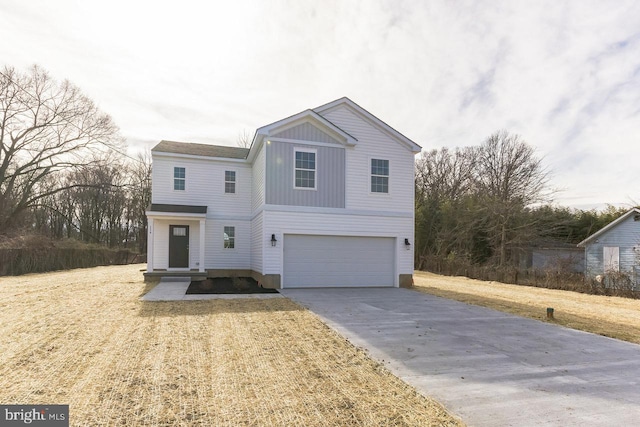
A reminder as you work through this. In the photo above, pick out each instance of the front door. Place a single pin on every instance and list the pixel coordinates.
(178, 246)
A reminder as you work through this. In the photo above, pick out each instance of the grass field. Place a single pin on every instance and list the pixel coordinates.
(614, 317)
(84, 338)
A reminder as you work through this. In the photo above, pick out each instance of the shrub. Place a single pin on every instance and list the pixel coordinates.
(37, 254)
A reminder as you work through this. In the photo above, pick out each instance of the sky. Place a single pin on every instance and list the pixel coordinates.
(564, 75)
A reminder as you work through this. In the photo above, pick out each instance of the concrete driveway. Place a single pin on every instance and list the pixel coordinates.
(487, 367)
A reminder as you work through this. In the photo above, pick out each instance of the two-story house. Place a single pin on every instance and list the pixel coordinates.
(323, 198)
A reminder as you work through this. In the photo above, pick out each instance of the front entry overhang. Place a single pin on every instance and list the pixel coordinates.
(157, 211)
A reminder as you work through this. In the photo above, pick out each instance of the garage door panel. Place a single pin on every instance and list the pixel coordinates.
(316, 261)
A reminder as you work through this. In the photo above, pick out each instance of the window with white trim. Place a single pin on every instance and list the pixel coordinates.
(179, 178)
(304, 169)
(229, 237)
(230, 181)
(379, 176)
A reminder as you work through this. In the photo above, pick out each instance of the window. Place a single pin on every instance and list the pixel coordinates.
(229, 237)
(229, 181)
(305, 169)
(179, 178)
(179, 231)
(379, 176)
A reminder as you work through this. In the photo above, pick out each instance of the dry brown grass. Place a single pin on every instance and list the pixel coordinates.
(614, 317)
(84, 338)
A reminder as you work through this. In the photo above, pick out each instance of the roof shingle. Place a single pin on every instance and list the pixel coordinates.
(201, 149)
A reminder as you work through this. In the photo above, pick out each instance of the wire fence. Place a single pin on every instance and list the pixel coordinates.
(619, 284)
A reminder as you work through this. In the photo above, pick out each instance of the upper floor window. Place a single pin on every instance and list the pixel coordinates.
(179, 178)
(305, 169)
(229, 181)
(229, 237)
(379, 176)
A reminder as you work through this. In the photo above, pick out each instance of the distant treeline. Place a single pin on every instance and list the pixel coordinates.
(64, 174)
(481, 205)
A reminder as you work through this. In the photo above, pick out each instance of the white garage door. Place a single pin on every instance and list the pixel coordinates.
(330, 261)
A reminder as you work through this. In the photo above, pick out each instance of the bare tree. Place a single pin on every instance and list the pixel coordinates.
(244, 139)
(139, 198)
(45, 127)
(445, 173)
(510, 178)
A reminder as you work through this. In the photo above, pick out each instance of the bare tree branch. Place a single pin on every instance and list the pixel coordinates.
(45, 127)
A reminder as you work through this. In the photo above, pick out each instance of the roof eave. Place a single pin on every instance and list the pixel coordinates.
(272, 128)
(412, 146)
(608, 227)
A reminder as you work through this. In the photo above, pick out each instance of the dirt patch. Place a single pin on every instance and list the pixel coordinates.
(85, 339)
(613, 317)
(228, 285)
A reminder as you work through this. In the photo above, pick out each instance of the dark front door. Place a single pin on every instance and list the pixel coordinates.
(178, 246)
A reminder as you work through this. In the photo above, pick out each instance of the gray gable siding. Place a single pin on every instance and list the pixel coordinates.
(625, 236)
(330, 176)
(306, 132)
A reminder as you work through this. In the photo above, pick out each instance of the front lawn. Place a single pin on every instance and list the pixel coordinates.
(614, 317)
(85, 339)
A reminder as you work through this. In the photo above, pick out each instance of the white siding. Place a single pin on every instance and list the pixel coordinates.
(280, 223)
(373, 143)
(217, 256)
(257, 243)
(161, 242)
(258, 180)
(204, 185)
(363, 213)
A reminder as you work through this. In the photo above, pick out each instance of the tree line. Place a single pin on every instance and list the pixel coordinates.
(64, 174)
(481, 204)
(63, 168)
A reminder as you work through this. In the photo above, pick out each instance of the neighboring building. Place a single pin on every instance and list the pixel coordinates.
(552, 255)
(615, 248)
(322, 198)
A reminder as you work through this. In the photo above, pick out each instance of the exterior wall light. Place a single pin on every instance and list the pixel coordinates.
(273, 240)
(407, 245)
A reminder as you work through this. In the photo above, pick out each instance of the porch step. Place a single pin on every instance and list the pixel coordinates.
(177, 276)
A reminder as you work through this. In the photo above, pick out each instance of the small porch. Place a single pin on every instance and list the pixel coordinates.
(176, 241)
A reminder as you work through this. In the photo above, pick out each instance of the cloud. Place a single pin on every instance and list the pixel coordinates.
(564, 75)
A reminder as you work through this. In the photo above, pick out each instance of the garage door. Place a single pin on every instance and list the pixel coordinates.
(330, 261)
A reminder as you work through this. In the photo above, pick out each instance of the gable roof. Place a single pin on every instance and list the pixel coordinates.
(317, 115)
(201, 149)
(307, 115)
(385, 128)
(606, 228)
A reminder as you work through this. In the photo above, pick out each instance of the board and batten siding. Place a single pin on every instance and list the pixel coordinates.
(625, 236)
(399, 227)
(374, 144)
(330, 176)
(306, 132)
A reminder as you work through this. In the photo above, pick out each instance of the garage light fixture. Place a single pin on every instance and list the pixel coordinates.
(273, 240)
(407, 245)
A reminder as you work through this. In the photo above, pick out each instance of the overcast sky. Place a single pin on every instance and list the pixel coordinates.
(563, 75)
